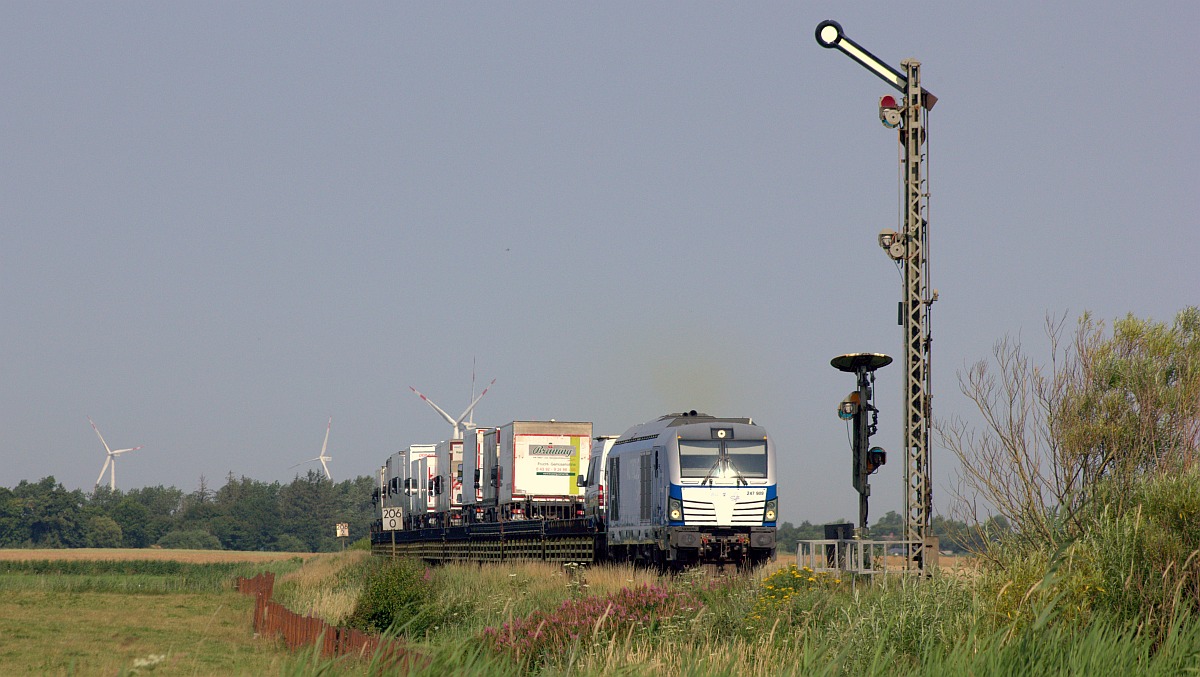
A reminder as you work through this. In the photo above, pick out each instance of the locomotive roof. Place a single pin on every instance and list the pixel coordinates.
(654, 428)
(690, 417)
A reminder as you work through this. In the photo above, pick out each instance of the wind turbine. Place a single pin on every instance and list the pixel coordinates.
(456, 423)
(110, 461)
(322, 458)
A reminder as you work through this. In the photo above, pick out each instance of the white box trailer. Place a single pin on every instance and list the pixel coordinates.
(419, 495)
(431, 491)
(473, 477)
(539, 464)
(422, 463)
(594, 497)
(449, 468)
(395, 481)
(489, 468)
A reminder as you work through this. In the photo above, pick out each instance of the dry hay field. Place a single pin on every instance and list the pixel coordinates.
(142, 554)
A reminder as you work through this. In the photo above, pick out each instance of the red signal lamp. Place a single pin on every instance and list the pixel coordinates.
(889, 111)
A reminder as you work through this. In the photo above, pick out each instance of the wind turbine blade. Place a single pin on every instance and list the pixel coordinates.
(326, 445)
(448, 417)
(303, 462)
(103, 469)
(327, 475)
(89, 418)
(473, 403)
(118, 452)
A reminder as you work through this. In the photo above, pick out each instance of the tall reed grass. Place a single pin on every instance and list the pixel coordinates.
(327, 586)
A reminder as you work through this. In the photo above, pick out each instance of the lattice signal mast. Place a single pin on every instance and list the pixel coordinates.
(910, 249)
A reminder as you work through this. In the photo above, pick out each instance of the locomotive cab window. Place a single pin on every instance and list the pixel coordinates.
(748, 457)
(697, 457)
(723, 458)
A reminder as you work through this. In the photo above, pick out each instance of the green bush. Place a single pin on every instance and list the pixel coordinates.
(190, 540)
(1138, 566)
(103, 532)
(1149, 557)
(397, 596)
(289, 543)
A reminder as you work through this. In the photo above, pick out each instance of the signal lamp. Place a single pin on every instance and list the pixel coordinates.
(875, 458)
(892, 243)
(849, 406)
(889, 112)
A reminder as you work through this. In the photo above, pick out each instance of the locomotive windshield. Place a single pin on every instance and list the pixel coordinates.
(705, 458)
(697, 457)
(748, 457)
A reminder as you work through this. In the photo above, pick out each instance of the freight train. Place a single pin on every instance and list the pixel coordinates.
(684, 489)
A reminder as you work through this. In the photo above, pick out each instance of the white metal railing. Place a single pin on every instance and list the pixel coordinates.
(857, 556)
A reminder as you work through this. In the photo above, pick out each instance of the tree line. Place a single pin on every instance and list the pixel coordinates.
(245, 514)
(248, 514)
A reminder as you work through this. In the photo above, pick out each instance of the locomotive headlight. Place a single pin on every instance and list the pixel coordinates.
(675, 509)
(771, 511)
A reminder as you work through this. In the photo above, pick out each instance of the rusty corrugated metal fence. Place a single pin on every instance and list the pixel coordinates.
(273, 619)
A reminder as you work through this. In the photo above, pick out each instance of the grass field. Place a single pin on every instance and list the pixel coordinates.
(93, 621)
(147, 554)
(109, 633)
(77, 612)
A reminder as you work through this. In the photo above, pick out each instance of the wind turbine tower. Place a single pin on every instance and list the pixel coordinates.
(110, 461)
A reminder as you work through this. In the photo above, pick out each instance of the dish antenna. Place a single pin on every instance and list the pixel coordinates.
(322, 458)
(455, 423)
(110, 461)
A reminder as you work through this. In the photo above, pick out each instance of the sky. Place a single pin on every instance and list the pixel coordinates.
(224, 223)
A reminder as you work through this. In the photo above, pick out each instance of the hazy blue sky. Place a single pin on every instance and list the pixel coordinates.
(225, 222)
